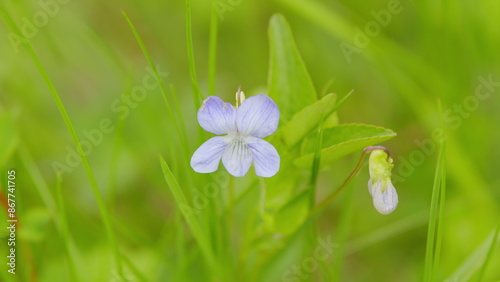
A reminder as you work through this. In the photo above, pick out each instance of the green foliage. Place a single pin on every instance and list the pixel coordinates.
(289, 82)
(434, 235)
(189, 216)
(293, 214)
(488, 256)
(120, 214)
(342, 140)
(305, 121)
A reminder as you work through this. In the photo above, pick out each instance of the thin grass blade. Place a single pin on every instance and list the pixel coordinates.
(104, 213)
(189, 216)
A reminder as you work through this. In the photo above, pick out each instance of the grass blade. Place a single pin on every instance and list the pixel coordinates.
(435, 228)
(181, 132)
(197, 95)
(37, 178)
(440, 226)
(189, 216)
(104, 213)
(212, 49)
(65, 234)
(316, 160)
(488, 255)
(472, 263)
(134, 270)
(57, 212)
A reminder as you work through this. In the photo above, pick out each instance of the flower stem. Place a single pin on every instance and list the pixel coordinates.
(316, 162)
(332, 197)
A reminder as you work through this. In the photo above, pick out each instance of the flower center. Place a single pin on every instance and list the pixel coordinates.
(238, 139)
(238, 147)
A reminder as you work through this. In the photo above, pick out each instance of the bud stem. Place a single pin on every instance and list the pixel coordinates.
(332, 197)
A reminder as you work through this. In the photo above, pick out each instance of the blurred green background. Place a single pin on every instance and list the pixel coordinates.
(421, 51)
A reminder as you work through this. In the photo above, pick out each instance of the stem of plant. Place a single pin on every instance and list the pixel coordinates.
(333, 196)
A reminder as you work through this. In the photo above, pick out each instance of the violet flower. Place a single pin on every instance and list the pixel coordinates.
(244, 126)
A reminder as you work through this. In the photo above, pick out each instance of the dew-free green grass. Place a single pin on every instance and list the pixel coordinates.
(98, 125)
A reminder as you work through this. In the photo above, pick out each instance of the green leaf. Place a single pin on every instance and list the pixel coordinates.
(292, 215)
(8, 142)
(308, 118)
(289, 82)
(281, 187)
(342, 140)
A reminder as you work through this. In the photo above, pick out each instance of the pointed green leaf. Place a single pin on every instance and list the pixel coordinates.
(342, 140)
(289, 82)
(308, 118)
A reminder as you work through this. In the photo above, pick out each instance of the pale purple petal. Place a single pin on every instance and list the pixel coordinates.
(217, 117)
(265, 157)
(206, 159)
(385, 197)
(257, 116)
(237, 158)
